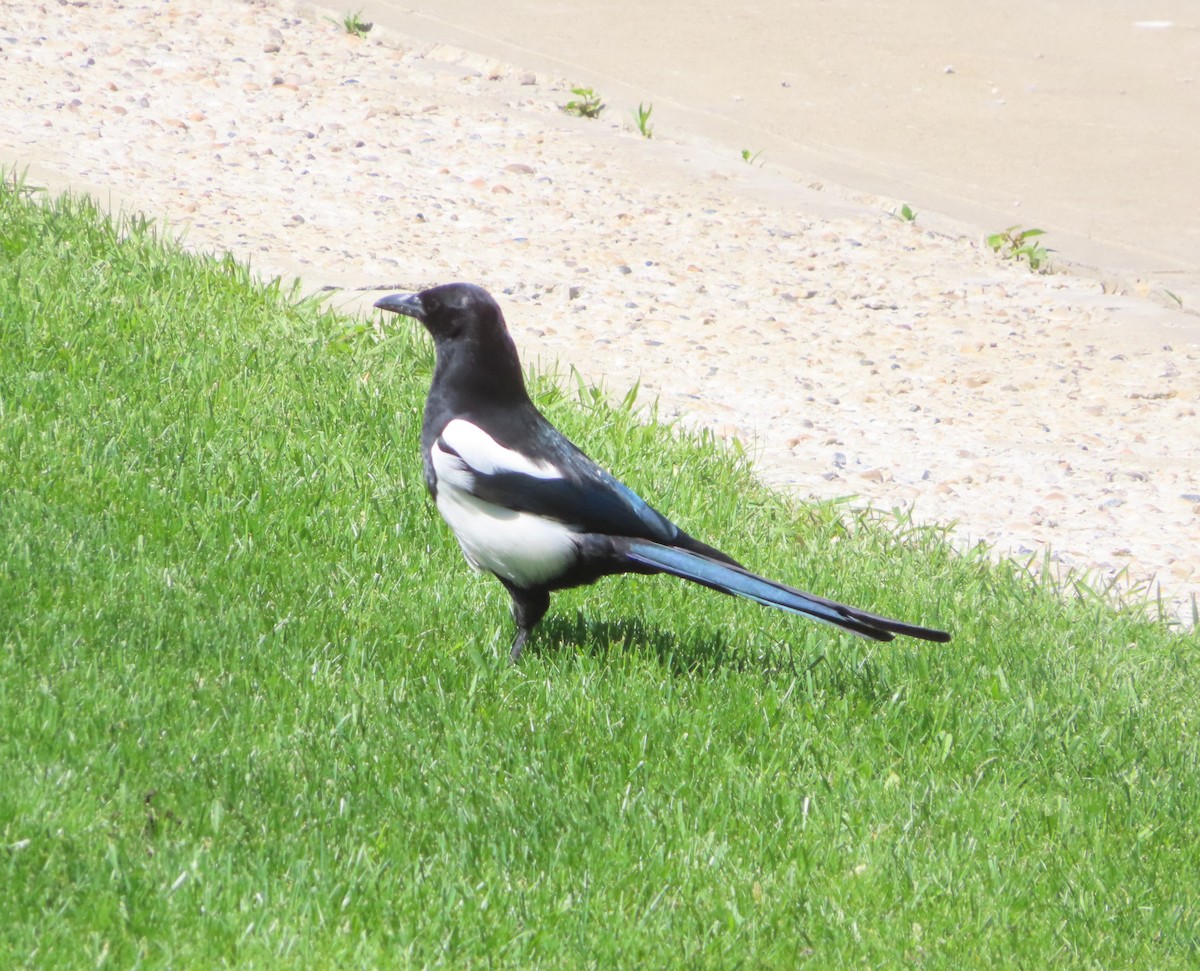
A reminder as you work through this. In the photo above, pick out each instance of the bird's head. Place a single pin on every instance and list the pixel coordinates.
(476, 358)
(453, 310)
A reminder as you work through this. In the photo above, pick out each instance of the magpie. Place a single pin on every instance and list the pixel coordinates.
(529, 507)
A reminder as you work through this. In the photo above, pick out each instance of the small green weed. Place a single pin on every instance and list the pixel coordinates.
(905, 213)
(353, 23)
(750, 157)
(1014, 244)
(587, 105)
(642, 118)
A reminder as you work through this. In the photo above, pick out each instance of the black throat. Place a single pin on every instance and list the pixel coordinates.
(476, 376)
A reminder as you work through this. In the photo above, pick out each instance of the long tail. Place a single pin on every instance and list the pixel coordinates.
(729, 578)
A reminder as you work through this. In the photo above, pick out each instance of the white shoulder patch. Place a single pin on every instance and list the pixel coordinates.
(483, 454)
(521, 547)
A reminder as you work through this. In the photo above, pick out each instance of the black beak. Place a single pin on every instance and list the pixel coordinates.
(408, 304)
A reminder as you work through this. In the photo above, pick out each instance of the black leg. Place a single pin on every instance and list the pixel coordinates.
(528, 607)
(518, 643)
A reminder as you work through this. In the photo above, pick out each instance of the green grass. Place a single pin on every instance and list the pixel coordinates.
(256, 712)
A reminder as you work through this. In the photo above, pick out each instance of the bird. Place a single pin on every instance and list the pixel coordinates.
(529, 507)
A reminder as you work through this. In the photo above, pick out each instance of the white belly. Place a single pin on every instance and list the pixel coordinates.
(525, 549)
(521, 547)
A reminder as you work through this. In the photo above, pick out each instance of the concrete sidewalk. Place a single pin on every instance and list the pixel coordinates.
(1077, 118)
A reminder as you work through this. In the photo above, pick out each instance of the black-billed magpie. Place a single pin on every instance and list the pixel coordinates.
(530, 508)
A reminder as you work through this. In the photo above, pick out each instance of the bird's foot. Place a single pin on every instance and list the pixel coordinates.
(518, 644)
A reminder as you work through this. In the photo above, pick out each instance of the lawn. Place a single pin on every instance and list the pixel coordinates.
(255, 711)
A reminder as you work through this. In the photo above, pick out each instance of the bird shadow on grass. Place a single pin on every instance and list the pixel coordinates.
(601, 638)
(835, 671)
